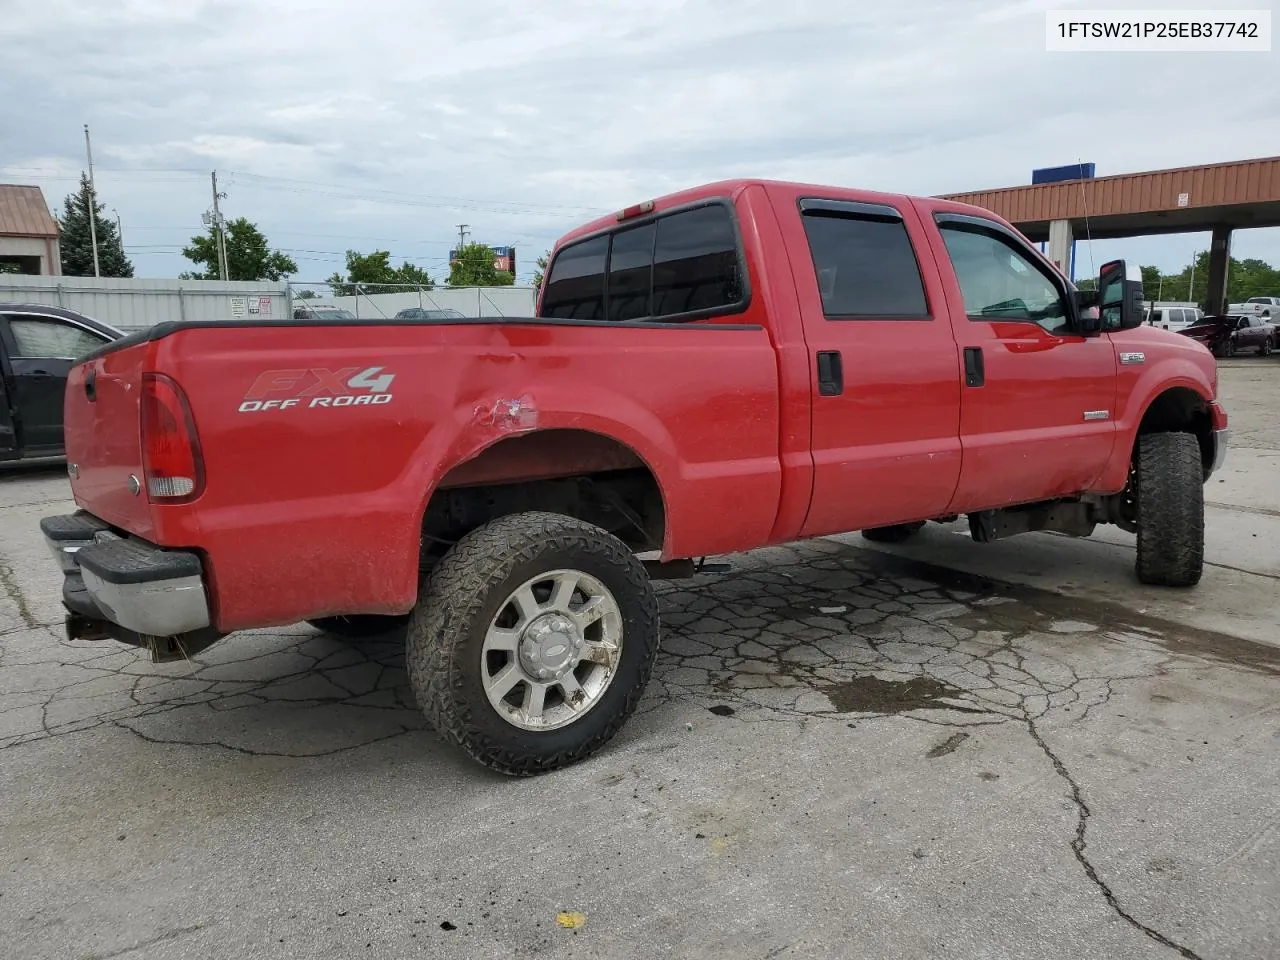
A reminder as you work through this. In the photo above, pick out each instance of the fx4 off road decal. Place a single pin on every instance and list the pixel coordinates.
(318, 388)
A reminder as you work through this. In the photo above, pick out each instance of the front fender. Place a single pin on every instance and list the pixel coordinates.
(1139, 387)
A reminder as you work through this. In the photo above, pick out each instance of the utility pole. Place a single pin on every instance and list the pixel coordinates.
(119, 229)
(219, 233)
(462, 235)
(93, 203)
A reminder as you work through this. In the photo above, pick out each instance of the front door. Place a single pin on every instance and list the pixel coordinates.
(42, 350)
(1038, 403)
(885, 380)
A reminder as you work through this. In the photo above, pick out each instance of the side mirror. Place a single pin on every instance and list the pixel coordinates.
(1120, 295)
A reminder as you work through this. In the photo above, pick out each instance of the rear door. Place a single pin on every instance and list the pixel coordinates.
(42, 350)
(885, 387)
(1038, 403)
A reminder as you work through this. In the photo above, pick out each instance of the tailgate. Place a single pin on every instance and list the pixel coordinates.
(104, 450)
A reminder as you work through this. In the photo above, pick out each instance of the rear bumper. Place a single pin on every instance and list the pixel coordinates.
(130, 583)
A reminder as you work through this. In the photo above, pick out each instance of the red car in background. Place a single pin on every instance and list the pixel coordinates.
(1225, 335)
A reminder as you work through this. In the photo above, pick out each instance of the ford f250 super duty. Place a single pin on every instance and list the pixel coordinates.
(742, 364)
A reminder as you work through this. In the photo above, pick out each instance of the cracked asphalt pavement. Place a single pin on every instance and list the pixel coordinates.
(845, 751)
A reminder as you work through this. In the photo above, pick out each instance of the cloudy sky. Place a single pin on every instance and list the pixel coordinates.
(382, 124)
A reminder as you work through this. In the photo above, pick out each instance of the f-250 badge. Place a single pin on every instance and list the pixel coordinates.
(309, 388)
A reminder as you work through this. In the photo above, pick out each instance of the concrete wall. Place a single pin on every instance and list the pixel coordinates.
(138, 304)
(469, 301)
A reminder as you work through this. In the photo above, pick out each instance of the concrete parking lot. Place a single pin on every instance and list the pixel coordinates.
(939, 749)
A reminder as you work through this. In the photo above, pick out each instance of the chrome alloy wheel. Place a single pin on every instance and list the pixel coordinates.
(552, 650)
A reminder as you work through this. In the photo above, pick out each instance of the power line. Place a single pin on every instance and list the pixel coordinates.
(417, 196)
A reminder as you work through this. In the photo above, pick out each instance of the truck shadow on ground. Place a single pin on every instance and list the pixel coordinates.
(816, 631)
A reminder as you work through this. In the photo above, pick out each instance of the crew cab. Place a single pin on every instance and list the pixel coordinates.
(39, 345)
(1264, 308)
(742, 364)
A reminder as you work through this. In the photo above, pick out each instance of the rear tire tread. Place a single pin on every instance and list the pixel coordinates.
(458, 589)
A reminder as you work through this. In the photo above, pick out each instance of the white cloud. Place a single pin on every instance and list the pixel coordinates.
(542, 116)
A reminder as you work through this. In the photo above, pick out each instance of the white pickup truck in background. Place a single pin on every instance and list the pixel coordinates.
(1265, 307)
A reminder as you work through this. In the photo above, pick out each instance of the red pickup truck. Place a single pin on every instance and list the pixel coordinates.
(742, 364)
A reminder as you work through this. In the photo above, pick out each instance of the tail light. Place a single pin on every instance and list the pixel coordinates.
(171, 458)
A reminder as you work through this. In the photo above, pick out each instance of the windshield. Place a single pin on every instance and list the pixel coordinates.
(331, 313)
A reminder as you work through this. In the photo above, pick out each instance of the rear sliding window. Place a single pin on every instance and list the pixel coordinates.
(864, 261)
(681, 266)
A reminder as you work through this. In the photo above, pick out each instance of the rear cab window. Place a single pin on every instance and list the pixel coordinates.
(681, 265)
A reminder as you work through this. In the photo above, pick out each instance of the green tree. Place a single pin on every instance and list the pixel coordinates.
(1245, 279)
(374, 274)
(249, 257)
(473, 266)
(1150, 282)
(74, 237)
(541, 273)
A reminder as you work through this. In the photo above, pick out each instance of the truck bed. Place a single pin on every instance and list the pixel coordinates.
(319, 432)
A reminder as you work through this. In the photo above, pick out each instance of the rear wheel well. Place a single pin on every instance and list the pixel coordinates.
(1180, 410)
(571, 472)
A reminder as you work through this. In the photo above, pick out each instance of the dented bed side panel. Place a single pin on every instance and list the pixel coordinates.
(322, 446)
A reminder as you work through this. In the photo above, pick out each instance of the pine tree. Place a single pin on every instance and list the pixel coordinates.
(74, 237)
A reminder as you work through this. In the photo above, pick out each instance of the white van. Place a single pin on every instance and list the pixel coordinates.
(1174, 318)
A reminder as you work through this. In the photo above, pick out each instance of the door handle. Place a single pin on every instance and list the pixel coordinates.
(830, 373)
(40, 374)
(975, 373)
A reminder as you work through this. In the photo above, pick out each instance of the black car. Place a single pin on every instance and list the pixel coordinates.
(38, 347)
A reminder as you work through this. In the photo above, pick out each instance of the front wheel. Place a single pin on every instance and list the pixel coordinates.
(1224, 349)
(533, 642)
(1169, 483)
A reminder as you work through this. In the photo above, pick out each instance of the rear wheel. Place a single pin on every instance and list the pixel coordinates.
(894, 534)
(361, 626)
(533, 642)
(1267, 346)
(1169, 483)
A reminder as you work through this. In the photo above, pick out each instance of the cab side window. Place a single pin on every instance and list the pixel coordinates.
(999, 282)
(864, 262)
(44, 338)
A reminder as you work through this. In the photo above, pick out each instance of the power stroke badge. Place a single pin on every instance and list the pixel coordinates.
(311, 388)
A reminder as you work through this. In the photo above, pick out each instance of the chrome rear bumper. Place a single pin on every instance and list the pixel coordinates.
(125, 581)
